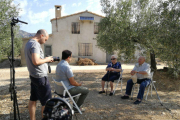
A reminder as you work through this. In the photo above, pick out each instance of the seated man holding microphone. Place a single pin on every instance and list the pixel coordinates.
(113, 73)
(142, 70)
(65, 74)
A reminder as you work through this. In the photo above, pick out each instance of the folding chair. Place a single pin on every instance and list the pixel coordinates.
(150, 85)
(120, 79)
(66, 95)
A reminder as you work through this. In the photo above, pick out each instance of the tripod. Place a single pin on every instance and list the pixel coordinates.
(12, 88)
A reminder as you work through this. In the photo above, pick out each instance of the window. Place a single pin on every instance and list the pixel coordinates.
(48, 50)
(96, 28)
(75, 28)
(85, 49)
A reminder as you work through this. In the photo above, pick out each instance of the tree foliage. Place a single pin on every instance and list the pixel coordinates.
(8, 11)
(151, 26)
(169, 34)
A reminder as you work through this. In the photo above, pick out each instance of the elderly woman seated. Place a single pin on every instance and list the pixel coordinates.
(113, 73)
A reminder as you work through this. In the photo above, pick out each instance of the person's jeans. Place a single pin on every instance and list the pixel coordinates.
(143, 85)
(79, 89)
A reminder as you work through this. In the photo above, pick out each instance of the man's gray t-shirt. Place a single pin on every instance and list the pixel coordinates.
(32, 46)
(63, 73)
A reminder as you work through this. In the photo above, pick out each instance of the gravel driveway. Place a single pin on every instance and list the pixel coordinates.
(98, 107)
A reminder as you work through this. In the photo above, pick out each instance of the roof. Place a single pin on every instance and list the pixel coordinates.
(77, 14)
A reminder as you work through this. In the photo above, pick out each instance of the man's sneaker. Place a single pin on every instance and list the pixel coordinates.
(137, 102)
(101, 92)
(110, 94)
(125, 97)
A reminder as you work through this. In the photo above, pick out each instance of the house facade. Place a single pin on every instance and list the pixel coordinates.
(76, 33)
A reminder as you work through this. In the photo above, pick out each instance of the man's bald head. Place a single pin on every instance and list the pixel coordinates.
(141, 60)
(42, 36)
(42, 32)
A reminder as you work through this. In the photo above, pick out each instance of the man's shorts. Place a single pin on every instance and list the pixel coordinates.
(40, 90)
(111, 77)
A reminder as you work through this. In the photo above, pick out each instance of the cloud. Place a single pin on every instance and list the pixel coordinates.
(41, 3)
(90, 3)
(41, 17)
(95, 6)
(79, 3)
(76, 4)
(63, 13)
(22, 4)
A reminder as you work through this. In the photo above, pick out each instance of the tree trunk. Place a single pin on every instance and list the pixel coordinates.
(153, 61)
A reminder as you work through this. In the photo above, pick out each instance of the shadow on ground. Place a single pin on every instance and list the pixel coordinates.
(100, 106)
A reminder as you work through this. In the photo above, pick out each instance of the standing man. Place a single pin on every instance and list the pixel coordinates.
(142, 69)
(38, 69)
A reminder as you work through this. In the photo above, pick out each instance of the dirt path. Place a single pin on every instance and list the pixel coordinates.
(98, 107)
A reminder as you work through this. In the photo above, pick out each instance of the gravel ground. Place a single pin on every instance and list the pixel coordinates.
(98, 106)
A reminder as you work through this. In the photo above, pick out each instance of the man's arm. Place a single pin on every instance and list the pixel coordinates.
(116, 70)
(119, 68)
(108, 69)
(139, 72)
(38, 61)
(73, 82)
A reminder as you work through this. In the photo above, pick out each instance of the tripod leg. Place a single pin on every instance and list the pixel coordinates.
(156, 92)
(121, 85)
(17, 107)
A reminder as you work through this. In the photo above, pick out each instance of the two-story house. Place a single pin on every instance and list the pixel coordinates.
(75, 32)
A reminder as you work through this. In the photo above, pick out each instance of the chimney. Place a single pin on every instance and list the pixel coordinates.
(58, 11)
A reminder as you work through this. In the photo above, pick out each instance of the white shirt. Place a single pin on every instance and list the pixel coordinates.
(144, 67)
(63, 73)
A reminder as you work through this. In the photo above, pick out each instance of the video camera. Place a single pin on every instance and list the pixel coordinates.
(54, 59)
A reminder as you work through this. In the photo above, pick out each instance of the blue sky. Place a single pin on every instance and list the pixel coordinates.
(39, 12)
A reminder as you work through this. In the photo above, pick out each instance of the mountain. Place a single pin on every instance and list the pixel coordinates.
(25, 34)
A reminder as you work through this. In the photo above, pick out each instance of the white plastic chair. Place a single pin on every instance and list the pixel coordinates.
(149, 86)
(64, 96)
(120, 79)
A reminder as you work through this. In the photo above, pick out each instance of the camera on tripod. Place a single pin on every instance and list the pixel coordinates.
(56, 58)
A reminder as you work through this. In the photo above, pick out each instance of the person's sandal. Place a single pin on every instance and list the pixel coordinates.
(101, 92)
(110, 94)
(125, 97)
(137, 102)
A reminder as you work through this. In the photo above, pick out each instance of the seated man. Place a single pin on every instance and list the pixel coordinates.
(113, 73)
(65, 74)
(142, 70)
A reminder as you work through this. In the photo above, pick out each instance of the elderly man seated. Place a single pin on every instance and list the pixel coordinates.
(113, 73)
(142, 70)
(65, 74)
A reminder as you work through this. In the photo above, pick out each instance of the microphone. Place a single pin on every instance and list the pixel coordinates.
(17, 20)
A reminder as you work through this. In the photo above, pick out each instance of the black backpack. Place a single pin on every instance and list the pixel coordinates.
(57, 109)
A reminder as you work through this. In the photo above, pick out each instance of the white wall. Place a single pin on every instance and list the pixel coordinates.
(64, 39)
